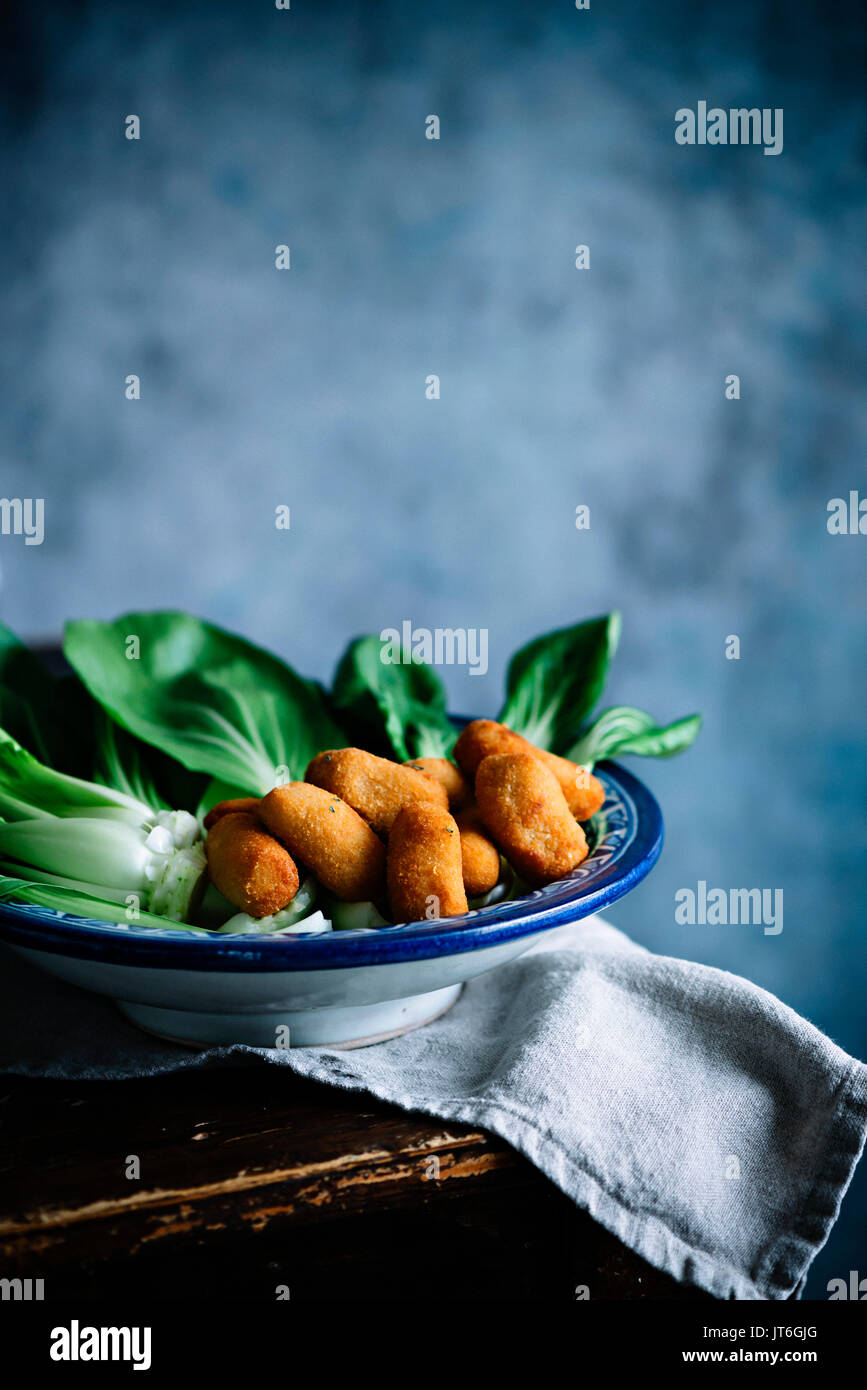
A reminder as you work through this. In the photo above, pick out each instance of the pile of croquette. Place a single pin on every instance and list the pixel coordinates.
(422, 836)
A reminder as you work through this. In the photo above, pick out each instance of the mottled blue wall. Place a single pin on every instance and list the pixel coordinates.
(559, 387)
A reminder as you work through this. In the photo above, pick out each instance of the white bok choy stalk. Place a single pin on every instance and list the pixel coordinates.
(77, 835)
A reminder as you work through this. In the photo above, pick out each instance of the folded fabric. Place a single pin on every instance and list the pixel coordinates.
(704, 1123)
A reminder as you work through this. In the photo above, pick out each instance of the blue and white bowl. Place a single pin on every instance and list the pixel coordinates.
(346, 988)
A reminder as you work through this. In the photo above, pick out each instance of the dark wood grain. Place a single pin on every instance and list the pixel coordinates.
(252, 1179)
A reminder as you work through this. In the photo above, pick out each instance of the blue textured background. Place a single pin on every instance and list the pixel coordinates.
(559, 387)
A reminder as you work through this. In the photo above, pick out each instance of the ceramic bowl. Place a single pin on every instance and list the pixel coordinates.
(346, 988)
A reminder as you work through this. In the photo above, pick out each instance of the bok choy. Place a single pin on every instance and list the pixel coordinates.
(81, 904)
(404, 701)
(42, 713)
(75, 835)
(553, 685)
(212, 701)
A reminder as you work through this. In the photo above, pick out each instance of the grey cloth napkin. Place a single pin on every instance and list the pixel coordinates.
(704, 1123)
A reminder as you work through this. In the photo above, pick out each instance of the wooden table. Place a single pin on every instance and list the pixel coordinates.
(252, 1178)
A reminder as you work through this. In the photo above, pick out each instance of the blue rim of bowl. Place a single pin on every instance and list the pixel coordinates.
(628, 834)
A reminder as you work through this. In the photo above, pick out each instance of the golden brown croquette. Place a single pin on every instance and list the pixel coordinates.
(226, 808)
(329, 837)
(449, 775)
(248, 866)
(584, 793)
(479, 855)
(425, 872)
(523, 807)
(376, 788)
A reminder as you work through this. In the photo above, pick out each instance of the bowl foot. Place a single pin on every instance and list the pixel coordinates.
(358, 1025)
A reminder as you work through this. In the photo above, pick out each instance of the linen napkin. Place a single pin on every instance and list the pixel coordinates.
(704, 1123)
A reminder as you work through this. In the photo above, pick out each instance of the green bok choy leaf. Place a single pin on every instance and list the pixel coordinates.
(553, 685)
(554, 682)
(80, 903)
(66, 831)
(216, 703)
(406, 702)
(38, 711)
(622, 729)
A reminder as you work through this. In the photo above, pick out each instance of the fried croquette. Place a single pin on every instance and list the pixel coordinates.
(480, 857)
(449, 775)
(329, 837)
(584, 793)
(248, 866)
(425, 872)
(523, 807)
(227, 808)
(375, 787)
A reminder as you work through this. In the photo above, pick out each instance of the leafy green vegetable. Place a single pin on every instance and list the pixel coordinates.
(119, 762)
(625, 730)
(81, 904)
(28, 788)
(297, 917)
(360, 916)
(214, 702)
(66, 831)
(276, 926)
(406, 702)
(215, 790)
(554, 682)
(131, 766)
(36, 709)
(59, 721)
